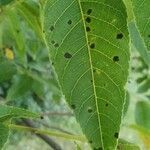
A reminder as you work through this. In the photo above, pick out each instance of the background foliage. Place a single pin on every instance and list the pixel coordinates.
(27, 80)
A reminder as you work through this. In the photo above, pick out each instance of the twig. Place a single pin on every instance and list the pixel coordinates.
(45, 138)
(48, 132)
(54, 127)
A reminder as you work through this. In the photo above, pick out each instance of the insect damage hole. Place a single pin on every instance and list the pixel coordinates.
(90, 110)
(88, 19)
(73, 106)
(116, 58)
(51, 28)
(94, 70)
(89, 11)
(92, 45)
(69, 22)
(18, 31)
(116, 135)
(119, 36)
(56, 45)
(53, 42)
(52, 63)
(67, 55)
(106, 104)
(42, 117)
(90, 141)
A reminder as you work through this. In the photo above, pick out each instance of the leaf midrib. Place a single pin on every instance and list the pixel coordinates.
(91, 66)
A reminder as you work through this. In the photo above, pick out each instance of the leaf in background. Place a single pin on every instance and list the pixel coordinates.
(89, 48)
(144, 135)
(138, 42)
(4, 134)
(142, 17)
(6, 114)
(7, 70)
(15, 28)
(142, 114)
(21, 86)
(123, 145)
(5, 2)
(30, 11)
(144, 86)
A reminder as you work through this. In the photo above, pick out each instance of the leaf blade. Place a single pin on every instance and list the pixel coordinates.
(76, 46)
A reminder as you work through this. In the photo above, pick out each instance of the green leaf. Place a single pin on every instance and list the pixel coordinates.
(124, 145)
(7, 70)
(138, 42)
(6, 114)
(142, 114)
(9, 112)
(144, 135)
(30, 12)
(89, 48)
(16, 31)
(22, 85)
(4, 132)
(142, 14)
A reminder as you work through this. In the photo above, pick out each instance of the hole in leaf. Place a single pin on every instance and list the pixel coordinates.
(90, 141)
(17, 31)
(90, 109)
(92, 45)
(51, 28)
(56, 45)
(88, 19)
(73, 106)
(52, 63)
(89, 11)
(88, 29)
(106, 104)
(94, 70)
(42, 117)
(115, 58)
(53, 42)
(149, 35)
(70, 22)
(91, 81)
(67, 55)
(116, 135)
(119, 36)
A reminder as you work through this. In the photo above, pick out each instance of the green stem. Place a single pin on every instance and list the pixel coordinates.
(51, 133)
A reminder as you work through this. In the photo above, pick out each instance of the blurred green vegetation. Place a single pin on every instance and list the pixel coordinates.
(27, 80)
